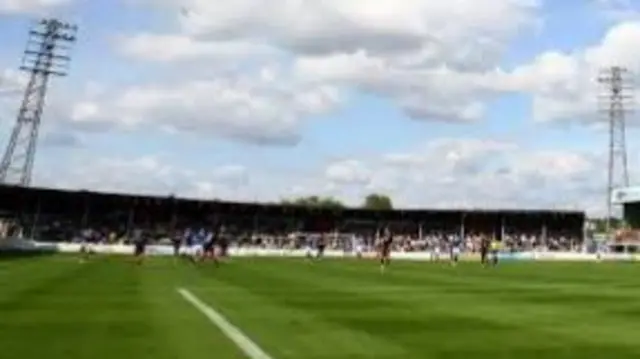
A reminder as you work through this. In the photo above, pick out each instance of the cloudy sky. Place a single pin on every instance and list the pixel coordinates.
(459, 103)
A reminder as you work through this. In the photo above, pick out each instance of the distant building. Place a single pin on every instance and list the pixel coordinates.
(629, 198)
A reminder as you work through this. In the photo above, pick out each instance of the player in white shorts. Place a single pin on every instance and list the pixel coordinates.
(309, 247)
(85, 250)
(455, 251)
(194, 248)
(356, 246)
(435, 252)
(359, 248)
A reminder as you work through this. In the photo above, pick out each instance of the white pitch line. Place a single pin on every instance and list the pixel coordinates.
(248, 347)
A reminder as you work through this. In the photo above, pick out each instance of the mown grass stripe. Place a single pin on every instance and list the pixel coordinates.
(244, 343)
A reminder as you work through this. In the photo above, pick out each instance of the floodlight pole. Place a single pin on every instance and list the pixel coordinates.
(46, 54)
(616, 100)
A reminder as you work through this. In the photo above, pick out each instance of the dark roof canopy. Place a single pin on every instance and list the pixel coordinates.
(23, 201)
(9, 191)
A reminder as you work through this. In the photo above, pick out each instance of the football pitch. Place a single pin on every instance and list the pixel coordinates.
(57, 308)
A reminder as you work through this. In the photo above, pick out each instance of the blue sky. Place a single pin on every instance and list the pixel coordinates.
(489, 104)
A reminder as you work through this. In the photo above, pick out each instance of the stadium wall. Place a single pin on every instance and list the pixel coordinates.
(22, 245)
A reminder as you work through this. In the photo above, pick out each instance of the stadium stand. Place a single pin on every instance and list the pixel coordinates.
(631, 213)
(627, 239)
(61, 215)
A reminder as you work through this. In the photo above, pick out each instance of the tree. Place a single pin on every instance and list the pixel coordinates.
(314, 201)
(378, 202)
(600, 224)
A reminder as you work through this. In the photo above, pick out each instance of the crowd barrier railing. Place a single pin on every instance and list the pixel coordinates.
(13, 244)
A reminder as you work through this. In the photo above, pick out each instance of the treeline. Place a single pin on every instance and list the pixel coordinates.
(599, 225)
(373, 201)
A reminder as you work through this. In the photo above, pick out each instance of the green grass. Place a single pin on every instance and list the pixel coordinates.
(56, 308)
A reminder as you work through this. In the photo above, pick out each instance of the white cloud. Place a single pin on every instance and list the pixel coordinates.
(60, 139)
(618, 10)
(348, 172)
(250, 108)
(171, 47)
(564, 85)
(449, 173)
(233, 175)
(29, 6)
(444, 173)
(107, 174)
(330, 26)
(149, 175)
(430, 58)
(435, 60)
(296, 59)
(436, 93)
(12, 82)
(11, 87)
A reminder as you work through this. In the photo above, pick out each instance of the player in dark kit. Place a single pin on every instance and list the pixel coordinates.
(209, 246)
(176, 242)
(85, 246)
(385, 250)
(485, 243)
(495, 249)
(321, 245)
(140, 246)
(223, 241)
(84, 251)
(456, 248)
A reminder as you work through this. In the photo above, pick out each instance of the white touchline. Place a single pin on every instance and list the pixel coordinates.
(248, 347)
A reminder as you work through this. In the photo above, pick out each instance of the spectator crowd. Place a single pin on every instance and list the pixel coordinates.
(59, 215)
(294, 239)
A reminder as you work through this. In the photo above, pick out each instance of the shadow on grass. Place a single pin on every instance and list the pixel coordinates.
(18, 254)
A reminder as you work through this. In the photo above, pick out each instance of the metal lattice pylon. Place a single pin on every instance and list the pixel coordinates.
(616, 100)
(46, 54)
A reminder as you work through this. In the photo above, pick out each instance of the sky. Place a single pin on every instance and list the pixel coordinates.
(438, 104)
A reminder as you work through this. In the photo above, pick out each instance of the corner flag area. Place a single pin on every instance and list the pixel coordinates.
(54, 307)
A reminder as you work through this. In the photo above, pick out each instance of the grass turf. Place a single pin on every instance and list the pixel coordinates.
(57, 308)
